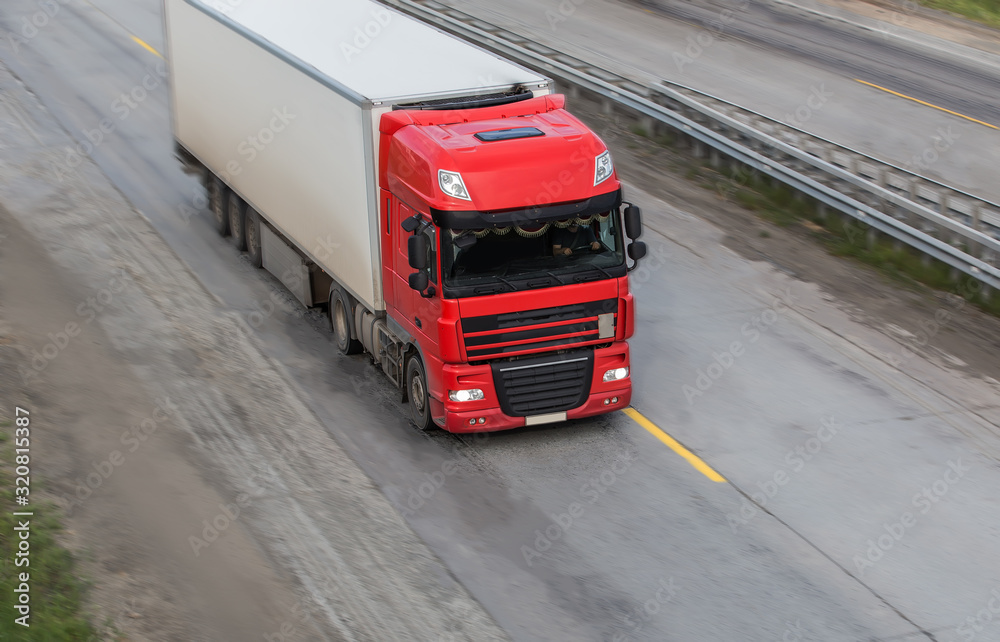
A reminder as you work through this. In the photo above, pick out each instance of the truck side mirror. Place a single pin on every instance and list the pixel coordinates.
(636, 250)
(418, 281)
(411, 223)
(633, 222)
(416, 252)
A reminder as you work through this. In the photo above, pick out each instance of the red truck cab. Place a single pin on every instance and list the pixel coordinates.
(478, 210)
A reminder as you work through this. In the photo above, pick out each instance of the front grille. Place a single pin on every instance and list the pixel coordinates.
(513, 333)
(541, 385)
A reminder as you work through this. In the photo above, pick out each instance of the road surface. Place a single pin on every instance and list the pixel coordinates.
(859, 497)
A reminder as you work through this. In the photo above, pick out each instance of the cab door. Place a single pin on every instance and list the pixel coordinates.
(418, 314)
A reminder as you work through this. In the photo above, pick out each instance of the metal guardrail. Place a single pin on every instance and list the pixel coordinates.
(972, 211)
(955, 227)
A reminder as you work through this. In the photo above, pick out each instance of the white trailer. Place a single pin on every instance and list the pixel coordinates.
(281, 102)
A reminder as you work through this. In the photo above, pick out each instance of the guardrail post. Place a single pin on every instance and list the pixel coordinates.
(647, 125)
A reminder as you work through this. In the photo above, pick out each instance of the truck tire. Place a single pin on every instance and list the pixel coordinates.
(340, 313)
(416, 394)
(252, 221)
(237, 221)
(217, 204)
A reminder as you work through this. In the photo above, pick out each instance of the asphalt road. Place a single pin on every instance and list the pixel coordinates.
(892, 62)
(860, 497)
(787, 63)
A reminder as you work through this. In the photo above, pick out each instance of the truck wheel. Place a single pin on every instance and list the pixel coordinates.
(254, 253)
(237, 221)
(416, 393)
(340, 322)
(217, 203)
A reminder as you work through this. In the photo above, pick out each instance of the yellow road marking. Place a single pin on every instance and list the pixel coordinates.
(147, 47)
(927, 104)
(692, 458)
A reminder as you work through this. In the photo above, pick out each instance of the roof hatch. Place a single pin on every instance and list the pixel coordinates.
(509, 134)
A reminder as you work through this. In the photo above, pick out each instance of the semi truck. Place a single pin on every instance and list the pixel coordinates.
(454, 220)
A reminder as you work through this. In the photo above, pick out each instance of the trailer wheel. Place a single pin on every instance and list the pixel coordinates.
(252, 220)
(416, 393)
(217, 203)
(339, 311)
(237, 221)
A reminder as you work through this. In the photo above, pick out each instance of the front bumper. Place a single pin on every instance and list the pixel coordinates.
(486, 415)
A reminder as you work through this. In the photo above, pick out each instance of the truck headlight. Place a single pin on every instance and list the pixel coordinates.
(473, 394)
(452, 184)
(616, 374)
(603, 168)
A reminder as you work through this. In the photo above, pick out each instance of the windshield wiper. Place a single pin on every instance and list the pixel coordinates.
(500, 278)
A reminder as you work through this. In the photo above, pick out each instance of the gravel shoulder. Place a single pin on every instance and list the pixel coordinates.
(204, 499)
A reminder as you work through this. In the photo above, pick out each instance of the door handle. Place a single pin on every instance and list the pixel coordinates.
(416, 320)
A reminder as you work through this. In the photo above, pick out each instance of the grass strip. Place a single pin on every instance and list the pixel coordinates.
(985, 11)
(55, 592)
(842, 236)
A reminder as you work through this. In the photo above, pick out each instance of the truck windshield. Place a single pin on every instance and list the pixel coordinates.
(527, 256)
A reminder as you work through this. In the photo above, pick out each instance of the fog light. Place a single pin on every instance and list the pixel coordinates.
(607, 402)
(482, 420)
(614, 399)
(615, 375)
(473, 394)
(472, 422)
